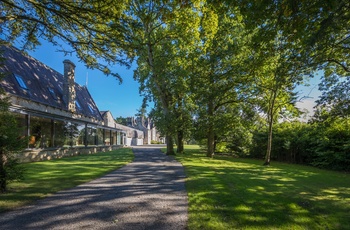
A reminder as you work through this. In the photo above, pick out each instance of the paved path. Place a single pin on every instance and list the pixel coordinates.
(148, 193)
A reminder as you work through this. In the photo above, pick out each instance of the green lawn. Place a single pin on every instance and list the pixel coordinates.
(230, 193)
(44, 178)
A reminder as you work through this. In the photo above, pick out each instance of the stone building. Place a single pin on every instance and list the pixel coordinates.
(151, 135)
(58, 115)
(131, 136)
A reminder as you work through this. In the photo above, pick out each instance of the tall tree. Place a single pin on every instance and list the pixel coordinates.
(158, 30)
(219, 76)
(10, 141)
(335, 98)
(293, 39)
(275, 96)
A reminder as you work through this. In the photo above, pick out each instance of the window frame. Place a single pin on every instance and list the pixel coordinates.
(21, 81)
(52, 93)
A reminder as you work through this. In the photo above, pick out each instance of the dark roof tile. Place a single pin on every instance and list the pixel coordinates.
(40, 80)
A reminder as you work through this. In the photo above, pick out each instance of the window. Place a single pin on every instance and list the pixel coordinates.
(22, 124)
(90, 108)
(40, 132)
(77, 105)
(91, 135)
(21, 82)
(52, 92)
(99, 137)
(69, 133)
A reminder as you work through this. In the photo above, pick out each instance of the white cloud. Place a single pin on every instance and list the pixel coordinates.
(307, 106)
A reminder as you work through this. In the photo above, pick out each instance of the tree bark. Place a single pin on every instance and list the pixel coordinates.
(211, 142)
(270, 115)
(269, 144)
(169, 145)
(162, 91)
(210, 134)
(180, 142)
(3, 181)
(180, 127)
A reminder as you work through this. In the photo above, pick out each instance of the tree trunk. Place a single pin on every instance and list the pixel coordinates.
(3, 181)
(180, 125)
(269, 144)
(270, 116)
(169, 145)
(164, 94)
(215, 142)
(168, 135)
(211, 142)
(210, 134)
(180, 141)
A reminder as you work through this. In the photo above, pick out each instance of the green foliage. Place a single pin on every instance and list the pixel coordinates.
(291, 40)
(220, 79)
(122, 120)
(333, 149)
(14, 171)
(312, 29)
(291, 140)
(156, 142)
(161, 35)
(213, 63)
(80, 25)
(321, 144)
(335, 98)
(10, 142)
(221, 147)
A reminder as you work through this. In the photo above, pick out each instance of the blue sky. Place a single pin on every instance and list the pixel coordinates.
(121, 99)
(124, 99)
(310, 94)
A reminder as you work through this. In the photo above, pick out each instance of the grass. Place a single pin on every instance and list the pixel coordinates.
(47, 177)
(230, 193)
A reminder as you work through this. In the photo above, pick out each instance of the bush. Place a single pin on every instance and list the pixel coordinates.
(222, 147)
(333, 149)
(321, 144)
(10, 143)
(156, 142)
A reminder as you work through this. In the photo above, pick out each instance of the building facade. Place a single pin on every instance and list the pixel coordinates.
(132, 136)
(151, 135)
(53, 111)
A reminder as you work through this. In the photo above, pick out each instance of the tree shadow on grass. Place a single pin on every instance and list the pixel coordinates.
(146, 194)
(231, 194)
(47, 177)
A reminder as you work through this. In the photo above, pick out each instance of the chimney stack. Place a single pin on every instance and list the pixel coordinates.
(69, 85)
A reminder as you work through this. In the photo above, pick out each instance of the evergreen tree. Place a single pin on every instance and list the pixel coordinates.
(10, 142)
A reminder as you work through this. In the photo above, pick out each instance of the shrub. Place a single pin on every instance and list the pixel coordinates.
(10, 143)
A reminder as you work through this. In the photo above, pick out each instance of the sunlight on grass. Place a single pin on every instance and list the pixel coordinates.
(231, 193)
(47, 177)
(243, 208)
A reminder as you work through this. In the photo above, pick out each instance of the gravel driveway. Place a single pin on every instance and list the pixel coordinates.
(148, 193)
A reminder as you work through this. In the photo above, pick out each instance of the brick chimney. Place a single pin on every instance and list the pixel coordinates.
(69, 85)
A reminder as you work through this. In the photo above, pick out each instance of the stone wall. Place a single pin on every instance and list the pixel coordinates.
(32, 155)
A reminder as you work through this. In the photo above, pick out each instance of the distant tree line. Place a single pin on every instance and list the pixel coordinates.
(324, 141)
(324, 144)
(122, 120)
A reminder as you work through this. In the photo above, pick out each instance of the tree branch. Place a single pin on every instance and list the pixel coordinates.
(347, 69)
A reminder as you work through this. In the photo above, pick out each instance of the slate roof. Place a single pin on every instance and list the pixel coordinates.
(103, 113)
(44, 84)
